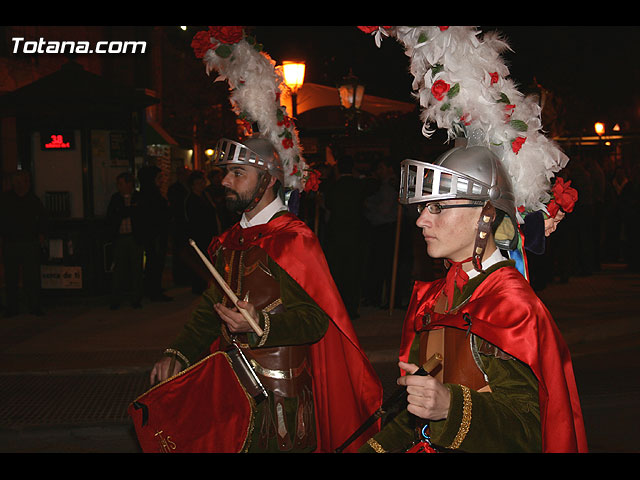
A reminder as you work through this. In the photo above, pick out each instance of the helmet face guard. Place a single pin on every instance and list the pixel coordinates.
(472, 173)
(254, 151)
(425, 182)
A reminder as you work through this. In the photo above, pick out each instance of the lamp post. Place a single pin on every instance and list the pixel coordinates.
(351, 94)
(600, 130)
(293, 73)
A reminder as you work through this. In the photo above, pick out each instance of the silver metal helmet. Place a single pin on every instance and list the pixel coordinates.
(255, 151)
(473, 173)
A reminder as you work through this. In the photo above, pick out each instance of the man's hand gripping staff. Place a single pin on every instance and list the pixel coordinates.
(225, 313)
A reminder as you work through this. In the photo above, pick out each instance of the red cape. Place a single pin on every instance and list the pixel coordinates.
(506, 312)
(347, 390)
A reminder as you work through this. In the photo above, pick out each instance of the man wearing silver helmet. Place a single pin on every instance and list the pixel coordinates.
(274, 264)
(505, 382)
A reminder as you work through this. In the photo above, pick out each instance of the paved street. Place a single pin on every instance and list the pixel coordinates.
(67, 378)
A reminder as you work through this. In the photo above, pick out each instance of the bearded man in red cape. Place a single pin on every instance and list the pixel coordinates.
(320, 386)
(506, 381)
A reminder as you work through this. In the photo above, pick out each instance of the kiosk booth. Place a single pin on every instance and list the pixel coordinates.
(75, 132)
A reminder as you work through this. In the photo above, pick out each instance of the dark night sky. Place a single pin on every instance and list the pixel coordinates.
(596, 68)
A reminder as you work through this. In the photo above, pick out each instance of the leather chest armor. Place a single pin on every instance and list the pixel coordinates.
(283, 371)
(459, 349)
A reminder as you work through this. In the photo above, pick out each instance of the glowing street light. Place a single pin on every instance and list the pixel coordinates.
(599, 128)
(293, 73)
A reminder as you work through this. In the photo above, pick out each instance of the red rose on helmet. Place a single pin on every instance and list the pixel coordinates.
(508, 111)
(439, 89)
(371, 29)
(226, 33)
(313, 181)
(287, 142)
(285, 121)
(564, 195)
(553, 208)
(516, 145)
(201, 43)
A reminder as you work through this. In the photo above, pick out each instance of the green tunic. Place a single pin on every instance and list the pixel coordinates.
(507, 419)
(302, 322)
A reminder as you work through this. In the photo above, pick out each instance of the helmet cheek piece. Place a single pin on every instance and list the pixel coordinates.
(487, 217)
(262, 187)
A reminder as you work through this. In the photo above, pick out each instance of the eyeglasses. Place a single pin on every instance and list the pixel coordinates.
(436, 208)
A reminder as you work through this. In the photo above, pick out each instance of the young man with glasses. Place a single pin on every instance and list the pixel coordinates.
(505, 383)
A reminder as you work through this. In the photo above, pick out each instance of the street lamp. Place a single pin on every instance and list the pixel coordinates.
(293, 73)
(599, 128)
(351, 92)
(351, 95)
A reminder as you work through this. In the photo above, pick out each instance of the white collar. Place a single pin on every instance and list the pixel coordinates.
(264, 215)
(494, 258)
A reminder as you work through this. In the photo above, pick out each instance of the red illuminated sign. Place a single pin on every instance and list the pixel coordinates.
(57, 141)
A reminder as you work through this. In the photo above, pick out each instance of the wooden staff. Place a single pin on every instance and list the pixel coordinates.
(227, 289)
(394, 269)
(316, 220)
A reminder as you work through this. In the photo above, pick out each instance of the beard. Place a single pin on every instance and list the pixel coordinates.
(234, 201)
(237, 202)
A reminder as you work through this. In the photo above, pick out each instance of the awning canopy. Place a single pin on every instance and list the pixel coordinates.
(313, 95)
(73, 90)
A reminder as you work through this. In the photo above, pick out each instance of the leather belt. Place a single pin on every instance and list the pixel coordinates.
(279, 374)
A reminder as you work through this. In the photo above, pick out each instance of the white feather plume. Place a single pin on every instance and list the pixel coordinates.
(254, 86)
(481, 98)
